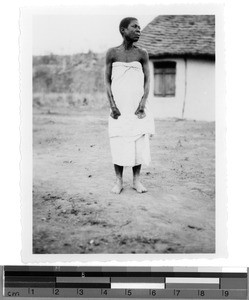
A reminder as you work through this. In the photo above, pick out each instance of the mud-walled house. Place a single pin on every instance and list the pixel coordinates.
(182, 65)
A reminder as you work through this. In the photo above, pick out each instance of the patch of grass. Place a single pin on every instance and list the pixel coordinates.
(69, 100)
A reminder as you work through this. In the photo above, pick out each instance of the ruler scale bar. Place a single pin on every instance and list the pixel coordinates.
(47, 274)
(192, 286)
(128, 274)
(137, 285)
(192, 280)
(30, 279)
(124, 282)
(29, 284)
(84, 279)
(125, 269)
(233, 283)
(59, 285)
(138, 279)
(120, 293)
(167, 274)
(89, 285)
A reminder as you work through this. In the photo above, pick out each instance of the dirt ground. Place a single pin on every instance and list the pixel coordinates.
(74, 211)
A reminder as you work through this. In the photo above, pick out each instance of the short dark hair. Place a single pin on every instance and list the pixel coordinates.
(125, 23)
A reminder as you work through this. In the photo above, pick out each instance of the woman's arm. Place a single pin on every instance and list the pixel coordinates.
(145, 64)
(108, 73)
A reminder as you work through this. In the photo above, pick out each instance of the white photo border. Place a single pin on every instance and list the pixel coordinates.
(25, 63)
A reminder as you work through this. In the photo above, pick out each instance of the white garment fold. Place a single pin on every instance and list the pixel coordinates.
(129, 135)
(128, 89)
(130, 151)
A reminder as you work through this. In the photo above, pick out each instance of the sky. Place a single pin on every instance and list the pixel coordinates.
(69, 34)
(70, 30)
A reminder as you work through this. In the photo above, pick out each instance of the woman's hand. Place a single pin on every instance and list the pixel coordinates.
(140, 113)
(115, 112)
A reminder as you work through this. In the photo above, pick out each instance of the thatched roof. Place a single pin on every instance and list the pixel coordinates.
(179, 35)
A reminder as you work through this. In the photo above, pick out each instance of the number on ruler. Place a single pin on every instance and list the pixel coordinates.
(153, 293)
(104, 292)
(56, 292)
(80, 292)
(128, 292)
(225, 293)
(176, 292)
(201, 293)
(82, 274)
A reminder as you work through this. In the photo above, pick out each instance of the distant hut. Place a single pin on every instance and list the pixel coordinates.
(182, 63)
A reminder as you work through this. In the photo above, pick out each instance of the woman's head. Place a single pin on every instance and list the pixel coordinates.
(125, 23)
(130, 29)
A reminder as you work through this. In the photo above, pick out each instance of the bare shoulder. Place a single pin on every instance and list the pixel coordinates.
(143, 54)
(110, 54)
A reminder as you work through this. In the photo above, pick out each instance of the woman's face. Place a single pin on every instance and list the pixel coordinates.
(132, 32)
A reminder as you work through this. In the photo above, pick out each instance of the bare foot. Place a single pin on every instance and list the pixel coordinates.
(117, 189)
(137, 185)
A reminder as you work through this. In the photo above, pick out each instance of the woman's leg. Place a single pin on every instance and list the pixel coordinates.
(137, 185)
(119, 179)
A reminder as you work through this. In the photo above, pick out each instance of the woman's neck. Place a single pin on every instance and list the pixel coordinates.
(127, 45)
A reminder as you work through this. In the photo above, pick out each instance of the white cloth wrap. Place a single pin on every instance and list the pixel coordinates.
(130, 151)
(128, 89)
(129, 135)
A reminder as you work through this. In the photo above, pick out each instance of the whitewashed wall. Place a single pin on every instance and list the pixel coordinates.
(200, 97)
(199, 88)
